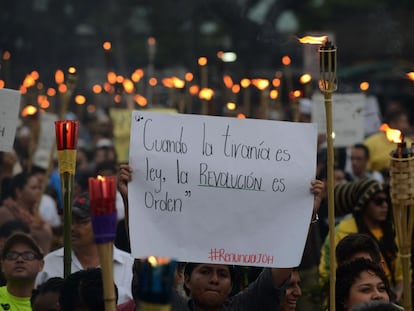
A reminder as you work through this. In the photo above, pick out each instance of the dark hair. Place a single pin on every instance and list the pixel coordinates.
(52, 285)
(19, 181)
(83, 289)
(82, 180)
(356, 243)
(376, 305)
(106, 165)
(11, 226)
(347, 273)
(364, 148)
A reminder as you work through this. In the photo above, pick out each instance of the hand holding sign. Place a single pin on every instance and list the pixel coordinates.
(214, 189)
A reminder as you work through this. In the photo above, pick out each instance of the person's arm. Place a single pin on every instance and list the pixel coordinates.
(124, 177)
(317, 189)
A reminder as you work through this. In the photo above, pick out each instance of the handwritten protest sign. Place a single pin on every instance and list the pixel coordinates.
(47, 139)
(348, 113)
(220, 190)
(9, 111)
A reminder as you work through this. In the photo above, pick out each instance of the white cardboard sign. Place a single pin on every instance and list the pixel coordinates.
(9, 111)
(220, 190)
(348, 113)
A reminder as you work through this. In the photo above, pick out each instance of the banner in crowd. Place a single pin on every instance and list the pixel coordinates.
(348, 113)
(46, 141)
(220, 190)
(9, 112)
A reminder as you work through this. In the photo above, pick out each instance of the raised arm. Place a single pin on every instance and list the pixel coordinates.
(124, 177)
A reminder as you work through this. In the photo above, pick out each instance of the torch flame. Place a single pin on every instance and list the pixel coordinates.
(313, 40)
(410, 75)
(393, 135)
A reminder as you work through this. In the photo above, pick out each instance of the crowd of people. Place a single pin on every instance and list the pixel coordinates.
(368, 268)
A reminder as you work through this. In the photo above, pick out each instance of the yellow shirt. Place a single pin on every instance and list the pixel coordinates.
(13, 303)
(380, 149)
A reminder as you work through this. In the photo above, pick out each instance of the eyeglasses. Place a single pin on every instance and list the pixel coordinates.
(25, 255)
(379, 201)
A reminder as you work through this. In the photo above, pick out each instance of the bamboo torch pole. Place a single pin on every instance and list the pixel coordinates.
(402, 197)
(327, 85)
(66, 143)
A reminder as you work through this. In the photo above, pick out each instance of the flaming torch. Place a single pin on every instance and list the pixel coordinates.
(66, 142)
(327, 85)
(402, 198)
(102, 194)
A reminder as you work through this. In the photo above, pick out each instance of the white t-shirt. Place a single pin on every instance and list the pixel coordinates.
(122, 270)
(48, 211)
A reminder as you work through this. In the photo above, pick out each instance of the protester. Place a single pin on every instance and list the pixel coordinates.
(6, 230)
(371, 215)
(359, 281)
(358, 245)
(359, 164)
(21, 260)
(22, 204)
(85, 252)
(293, 292)
(209, 285)
(46, 296)
(83, 290)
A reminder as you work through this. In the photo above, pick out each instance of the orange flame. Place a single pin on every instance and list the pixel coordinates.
(393, 135)
(313, 40)
(177, 82)
(228, 81)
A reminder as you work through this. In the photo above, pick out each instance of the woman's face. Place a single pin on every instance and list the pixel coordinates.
(368, 286)
(377, 208)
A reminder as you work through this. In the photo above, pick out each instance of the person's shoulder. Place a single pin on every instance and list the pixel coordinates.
(347, 225)
(54, 255)
(122, 256)
(374, 138)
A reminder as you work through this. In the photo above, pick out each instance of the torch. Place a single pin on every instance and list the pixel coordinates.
(102, 194)
(156, 280)
(402, 198)
(327, 85)
(66, 142)
(66, 91)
